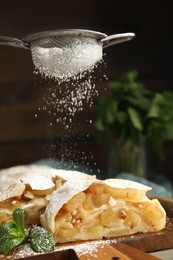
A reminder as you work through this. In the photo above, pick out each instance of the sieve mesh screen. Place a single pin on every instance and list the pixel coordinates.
(65, 57)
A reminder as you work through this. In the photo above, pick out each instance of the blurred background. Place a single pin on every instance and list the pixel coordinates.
(29, 129)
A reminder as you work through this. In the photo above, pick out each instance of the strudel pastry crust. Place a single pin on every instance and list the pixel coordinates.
(10, 175)
(75, 206)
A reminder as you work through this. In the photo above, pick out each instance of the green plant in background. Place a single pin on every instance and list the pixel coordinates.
(130, 114)
(159, 121)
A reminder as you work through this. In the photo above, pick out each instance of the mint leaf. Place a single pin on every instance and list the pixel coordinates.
(9, 230)
(10, 243)
(9, 237)
(41, 240)
(5, 229)
(18, 217)
(135, 118)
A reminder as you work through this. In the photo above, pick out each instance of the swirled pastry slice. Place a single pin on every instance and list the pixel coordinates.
(93, 209)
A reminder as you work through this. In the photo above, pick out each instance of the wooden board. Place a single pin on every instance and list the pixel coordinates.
(123, 248)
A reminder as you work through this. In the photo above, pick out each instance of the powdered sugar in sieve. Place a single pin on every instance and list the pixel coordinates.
(62, 54)
(62, 58)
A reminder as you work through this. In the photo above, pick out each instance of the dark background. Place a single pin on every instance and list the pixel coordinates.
(25, 138)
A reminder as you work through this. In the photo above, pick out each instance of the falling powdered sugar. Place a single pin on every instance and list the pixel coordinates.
(66, 58)
(70, 88)
(63, 105)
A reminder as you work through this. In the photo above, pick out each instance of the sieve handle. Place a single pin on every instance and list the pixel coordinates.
(9, 41)
(117, 38)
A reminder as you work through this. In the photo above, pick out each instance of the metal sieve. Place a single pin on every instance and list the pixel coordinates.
(62, 53)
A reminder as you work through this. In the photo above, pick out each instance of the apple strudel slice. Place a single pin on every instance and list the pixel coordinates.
(31, 190)
(94, 209)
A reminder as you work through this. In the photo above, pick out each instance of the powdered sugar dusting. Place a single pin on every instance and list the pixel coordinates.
(68, 68)
(83, 248)
(37, 184)
(21, 251)
(86, 248)
(62, 106)
(67, 57)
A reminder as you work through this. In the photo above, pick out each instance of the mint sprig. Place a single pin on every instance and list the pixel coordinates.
(14, 233)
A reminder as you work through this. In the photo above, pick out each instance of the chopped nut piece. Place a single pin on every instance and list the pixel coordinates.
(131, 226)
(77, 222)
(29, 195)
(122, 214)
(74, 212)
(14, 202)
(111, 201)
